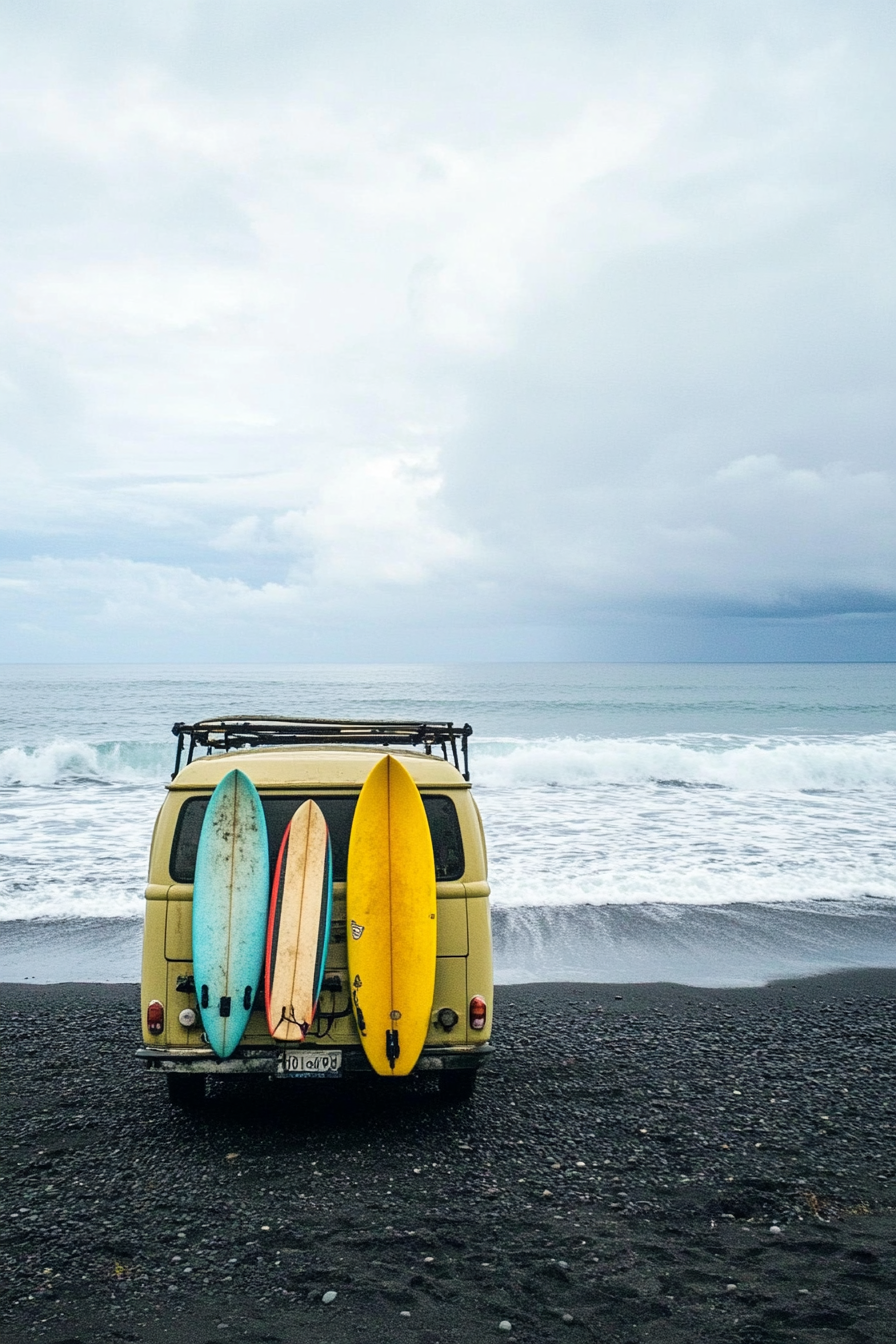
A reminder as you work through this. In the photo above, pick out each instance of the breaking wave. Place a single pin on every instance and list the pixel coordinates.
(67, 761)
(749, 764)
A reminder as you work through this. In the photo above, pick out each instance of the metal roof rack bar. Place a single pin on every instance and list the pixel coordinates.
(234, 731)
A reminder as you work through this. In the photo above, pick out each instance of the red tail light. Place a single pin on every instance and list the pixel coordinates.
(155, 1018)
(478, 1012)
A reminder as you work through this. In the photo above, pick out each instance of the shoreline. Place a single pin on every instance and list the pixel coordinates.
(834, 983)
(629, 1153)
(739, 944)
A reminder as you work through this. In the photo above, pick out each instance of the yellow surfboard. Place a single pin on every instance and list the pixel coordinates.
(391, 919)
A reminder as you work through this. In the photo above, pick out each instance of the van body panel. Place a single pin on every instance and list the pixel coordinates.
(452, 939)
(179, 931)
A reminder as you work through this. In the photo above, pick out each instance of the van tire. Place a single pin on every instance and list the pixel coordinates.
(186, 1089)
(456, 1085)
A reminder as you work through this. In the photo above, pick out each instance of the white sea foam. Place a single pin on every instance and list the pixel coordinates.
(770, 764)
(48, 900)
(75, 851)
(694, 822)
(664, 886)
(689, 821)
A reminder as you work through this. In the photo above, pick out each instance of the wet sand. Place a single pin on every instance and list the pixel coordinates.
(641, 1162)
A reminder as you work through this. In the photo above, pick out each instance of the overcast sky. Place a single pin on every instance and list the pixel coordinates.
(447, 330)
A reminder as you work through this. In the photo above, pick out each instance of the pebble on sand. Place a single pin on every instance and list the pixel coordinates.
(775, 1230)
(504, 1325)
(328, 1297)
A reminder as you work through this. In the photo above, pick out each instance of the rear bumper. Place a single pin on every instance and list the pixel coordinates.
(264, 1059)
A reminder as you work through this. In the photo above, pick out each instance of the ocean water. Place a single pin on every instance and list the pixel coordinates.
(707, 824)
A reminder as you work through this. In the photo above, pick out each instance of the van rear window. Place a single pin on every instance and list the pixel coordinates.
(440, 813)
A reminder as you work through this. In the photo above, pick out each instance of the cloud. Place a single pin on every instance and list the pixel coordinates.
(375, 521)
(365, 521)
(540, 316)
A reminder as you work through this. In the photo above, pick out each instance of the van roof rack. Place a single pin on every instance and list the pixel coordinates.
(234, 731)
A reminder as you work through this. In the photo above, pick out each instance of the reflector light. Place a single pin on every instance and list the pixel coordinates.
(478, 1012)
(186, 1017)
(155, 1018)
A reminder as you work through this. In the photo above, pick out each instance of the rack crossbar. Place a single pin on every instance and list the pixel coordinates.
(235, 732)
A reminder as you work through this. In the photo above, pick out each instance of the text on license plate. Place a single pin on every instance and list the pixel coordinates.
(312, 1063)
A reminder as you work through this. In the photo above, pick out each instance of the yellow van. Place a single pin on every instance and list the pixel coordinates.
(288, 761)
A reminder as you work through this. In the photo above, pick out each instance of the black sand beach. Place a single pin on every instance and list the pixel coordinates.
(650, 1163)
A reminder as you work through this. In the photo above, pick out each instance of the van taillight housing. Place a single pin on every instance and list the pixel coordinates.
(478, 1012)
(155, 1018)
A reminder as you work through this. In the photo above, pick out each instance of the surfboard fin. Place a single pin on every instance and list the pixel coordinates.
(392, 1047)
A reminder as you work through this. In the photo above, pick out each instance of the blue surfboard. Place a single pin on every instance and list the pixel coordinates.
(231, 891)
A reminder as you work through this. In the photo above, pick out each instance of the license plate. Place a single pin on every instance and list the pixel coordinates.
(311, 1063)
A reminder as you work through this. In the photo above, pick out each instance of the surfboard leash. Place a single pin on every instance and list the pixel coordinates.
(332, 1015)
